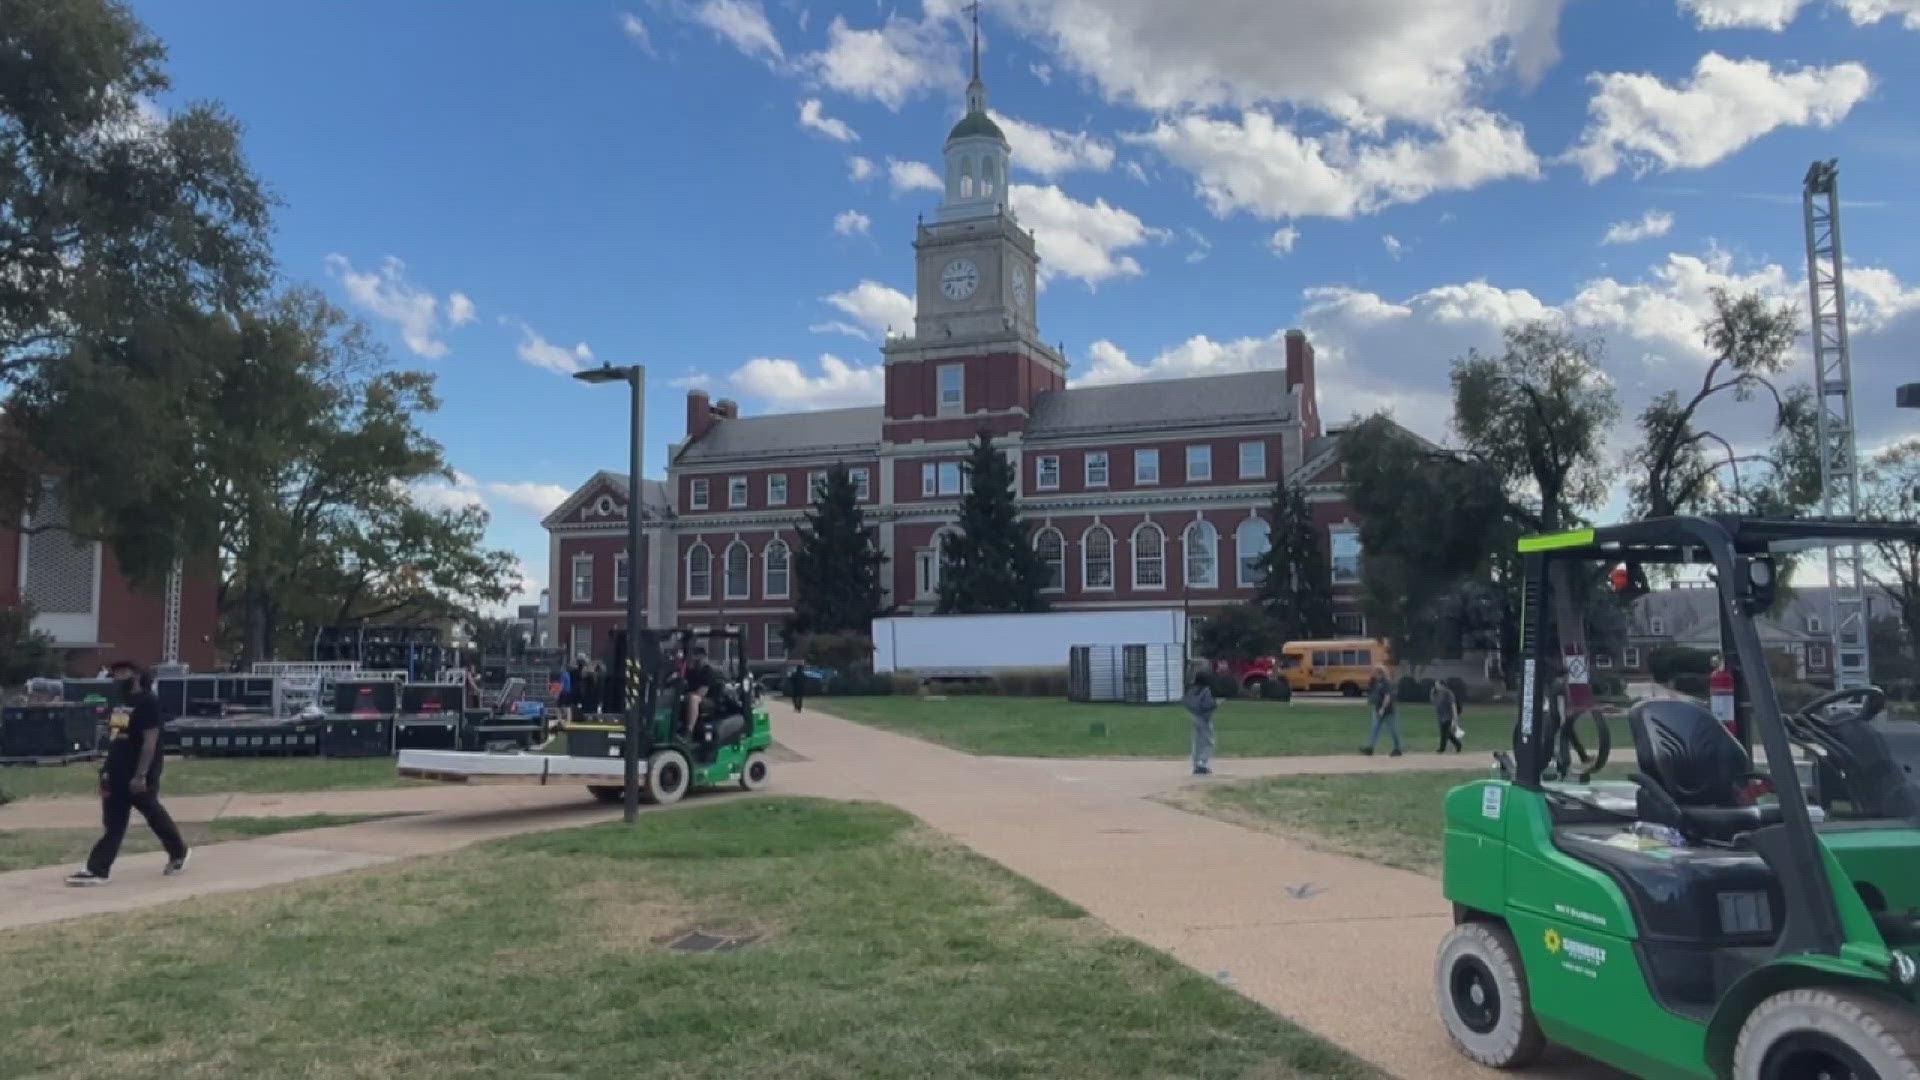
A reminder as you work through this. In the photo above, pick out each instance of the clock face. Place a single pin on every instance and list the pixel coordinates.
(959, 279)
(1020, 288)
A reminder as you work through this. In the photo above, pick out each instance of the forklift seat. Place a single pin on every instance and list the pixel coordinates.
(1692, 771)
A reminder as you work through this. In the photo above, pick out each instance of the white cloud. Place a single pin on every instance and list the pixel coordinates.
(388, 295)
(460, 309)
(785, 383)
(813, 119)
(1043, 72)
(534, 498)
(911, 175)
(874, 309)
(1050, 151)
(891, 64)
(1393, 245)
(1134, 169)
(1080, 240)
(1283, 239)
(1651, 224)
(851, 222)
(541, 353)
(1776, 14)
(740, 22)
(460, 493)
(859, 168)
(636, 31)
(1202, 247)
(1267, 168)
(1400, 59)
(1642, 124)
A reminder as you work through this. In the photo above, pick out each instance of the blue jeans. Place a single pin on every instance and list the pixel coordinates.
(1202, 741)
(1391, 723)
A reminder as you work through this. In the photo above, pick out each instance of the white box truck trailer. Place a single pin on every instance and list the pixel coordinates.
(962, 645)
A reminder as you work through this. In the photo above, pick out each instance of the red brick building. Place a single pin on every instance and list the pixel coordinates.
(82, 600)
(1144, 495)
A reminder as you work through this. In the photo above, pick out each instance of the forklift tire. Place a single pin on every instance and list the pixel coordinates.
(668, 777)
(1482, 990)
(753, 772)
(1836, 1033)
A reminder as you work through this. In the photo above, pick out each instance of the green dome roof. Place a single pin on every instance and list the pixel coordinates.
(976, 124)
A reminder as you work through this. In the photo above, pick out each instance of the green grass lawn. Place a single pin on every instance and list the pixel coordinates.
(23, 849)
(885, 952)
(213, 776)
(1051, 727)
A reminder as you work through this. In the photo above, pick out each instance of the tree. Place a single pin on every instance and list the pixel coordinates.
(1296, 587)
(1240, 634)
(315, 469)
(25, 653)
(1677, 466)
(1538, 415)
(1890, 488)
(500, 637)
(836, 565)
(990, 566)
(120, 228)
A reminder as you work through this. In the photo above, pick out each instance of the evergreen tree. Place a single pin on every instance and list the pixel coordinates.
(991, 566)
(1296, 585)
(836, 567)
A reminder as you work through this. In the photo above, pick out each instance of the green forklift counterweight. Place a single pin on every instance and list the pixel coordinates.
(1745, 901)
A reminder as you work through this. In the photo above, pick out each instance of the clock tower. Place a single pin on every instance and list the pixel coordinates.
(975, 354)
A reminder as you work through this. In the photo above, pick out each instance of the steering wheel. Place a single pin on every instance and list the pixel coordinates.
(1873, 701)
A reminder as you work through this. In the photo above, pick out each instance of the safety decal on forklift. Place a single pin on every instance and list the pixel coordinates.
(1493, 799)
(1576, 956)
(1526, 701)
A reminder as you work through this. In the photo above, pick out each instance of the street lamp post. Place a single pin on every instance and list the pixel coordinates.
(635, 376)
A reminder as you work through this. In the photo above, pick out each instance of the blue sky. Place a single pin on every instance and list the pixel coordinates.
(724, 190)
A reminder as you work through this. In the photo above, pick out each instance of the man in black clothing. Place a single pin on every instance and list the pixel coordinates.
(703, 681)
(130, 779)
(797, 685)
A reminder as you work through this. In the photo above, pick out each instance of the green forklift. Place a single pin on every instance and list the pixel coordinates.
(1715, 915)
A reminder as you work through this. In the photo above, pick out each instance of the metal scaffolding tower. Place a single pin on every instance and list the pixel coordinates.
(170, 633)
(1833, 395)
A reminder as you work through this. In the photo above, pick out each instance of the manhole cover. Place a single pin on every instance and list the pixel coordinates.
(710, 939)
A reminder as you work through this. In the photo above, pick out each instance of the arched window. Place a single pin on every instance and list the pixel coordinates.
(966, 178)
(1249, 544)
(1096, 558)
(776, 569)
(928, 563)
(1202, 544)
(699, 572)
(989, 176)
(1052, 549)
(739, 571)
(1149, 557)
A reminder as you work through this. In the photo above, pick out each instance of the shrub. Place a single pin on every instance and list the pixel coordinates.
(1412, 691)
(1690, 683)
(1276, 690)
(25, 653)
(1670, 660)
(859, 684)
(1225, 688)
(1794, 696)
(841, 651)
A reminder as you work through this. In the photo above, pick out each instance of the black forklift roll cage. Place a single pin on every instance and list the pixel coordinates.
(1739, 552)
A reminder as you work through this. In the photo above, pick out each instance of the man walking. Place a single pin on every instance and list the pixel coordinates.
(1381, 696)
(1200, 704)
(130, 779)
(1446, 710)
(797, 685)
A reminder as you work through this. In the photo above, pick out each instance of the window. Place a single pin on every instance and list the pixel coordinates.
(1195, 623)
(582, 579)
(1097, 468)
(942, 478)
(926, 572)
(1249, 544)
(1146, 466)
(816, 485)
(1814, 625)
(1657, 626)
(697, 494)
(776, 643)
(777, 564)
(1199, 464)
(1345, 544)
(582, 641)
(1816, 658)
(1202, 543)
(736, 492)
(699, 572)
(1052, 548)
(953, 388)
(1630, 658)
(862, 485)
(1096, 558)
(777, 489)
(739, 571)
(1349, 624)
(1253, 461)
(1046, 472)
(621, 578)
(1149, 558)
(1602, 660)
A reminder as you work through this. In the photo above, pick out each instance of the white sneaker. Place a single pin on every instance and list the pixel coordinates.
(175, 866)
(81, 879)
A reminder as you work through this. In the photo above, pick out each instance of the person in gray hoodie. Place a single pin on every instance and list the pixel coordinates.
(1200, 703)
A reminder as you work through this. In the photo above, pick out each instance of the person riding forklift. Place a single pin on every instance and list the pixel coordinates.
(1717, 915)
(700, 683)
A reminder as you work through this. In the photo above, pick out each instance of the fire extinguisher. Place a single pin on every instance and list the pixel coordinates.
(1720, 689)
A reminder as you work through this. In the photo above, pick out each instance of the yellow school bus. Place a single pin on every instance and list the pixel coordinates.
(1344, 664)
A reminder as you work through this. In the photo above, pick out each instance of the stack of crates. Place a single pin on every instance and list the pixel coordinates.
(360, 722)
(51, 733)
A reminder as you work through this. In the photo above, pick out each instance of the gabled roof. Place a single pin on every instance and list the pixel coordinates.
(848, 430)
(655, 503)
(1169, 404)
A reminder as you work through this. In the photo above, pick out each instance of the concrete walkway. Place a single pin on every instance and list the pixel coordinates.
(1341, 946)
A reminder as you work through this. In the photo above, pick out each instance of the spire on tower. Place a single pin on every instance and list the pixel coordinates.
(974, 10)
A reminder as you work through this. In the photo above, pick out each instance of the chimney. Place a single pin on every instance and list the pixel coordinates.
(1300, 382)
(699, 414)
(726, 409)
